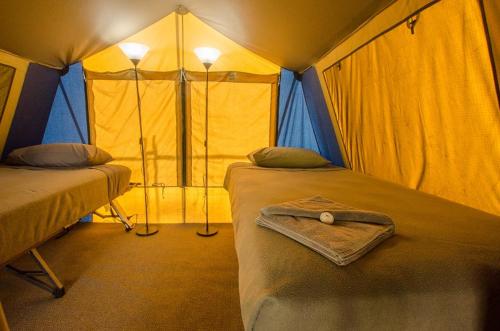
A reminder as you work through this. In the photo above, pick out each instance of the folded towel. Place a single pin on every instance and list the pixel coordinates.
(339, 232)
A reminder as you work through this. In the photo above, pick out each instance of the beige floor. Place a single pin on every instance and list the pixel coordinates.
(116, 280)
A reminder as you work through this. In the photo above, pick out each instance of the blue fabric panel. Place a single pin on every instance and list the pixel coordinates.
(68, 116)
(33, 108)
(294, 125)
(320, 118)
(87, 219)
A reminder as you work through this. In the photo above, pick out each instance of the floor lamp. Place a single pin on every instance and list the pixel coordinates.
(135, 52)
(207, 56)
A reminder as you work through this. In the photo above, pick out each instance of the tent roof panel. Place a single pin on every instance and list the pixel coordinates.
(290, 33)
(162, 38)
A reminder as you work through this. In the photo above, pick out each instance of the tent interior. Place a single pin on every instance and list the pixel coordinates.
(404, 95)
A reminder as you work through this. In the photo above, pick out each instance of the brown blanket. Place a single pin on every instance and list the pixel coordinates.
(37, 202)
(117, 179)
(440, 272)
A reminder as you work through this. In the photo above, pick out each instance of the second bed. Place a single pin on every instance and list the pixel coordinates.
(441, 270)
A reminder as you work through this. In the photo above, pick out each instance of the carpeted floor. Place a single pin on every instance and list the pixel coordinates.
(174, 280)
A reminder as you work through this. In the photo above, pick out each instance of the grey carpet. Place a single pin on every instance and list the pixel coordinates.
(174, 280)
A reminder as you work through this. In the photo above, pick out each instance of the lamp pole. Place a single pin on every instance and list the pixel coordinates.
(207, 56)
(135, 52)
(147, 231)
(206, 231)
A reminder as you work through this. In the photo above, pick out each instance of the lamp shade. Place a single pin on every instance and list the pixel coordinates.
(134, 51)
(207, 54)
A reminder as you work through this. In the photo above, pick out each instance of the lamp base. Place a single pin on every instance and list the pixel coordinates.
(204, 232)
(144, 231)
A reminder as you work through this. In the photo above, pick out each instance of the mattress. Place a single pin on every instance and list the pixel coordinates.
(441, 270)
(36, 203)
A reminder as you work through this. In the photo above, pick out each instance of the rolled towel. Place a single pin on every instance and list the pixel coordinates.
(326, 218)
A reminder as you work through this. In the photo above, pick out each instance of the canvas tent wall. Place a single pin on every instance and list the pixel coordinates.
(421, 109)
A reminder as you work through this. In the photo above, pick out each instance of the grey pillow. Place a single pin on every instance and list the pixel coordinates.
(287, 157)
(59, 155)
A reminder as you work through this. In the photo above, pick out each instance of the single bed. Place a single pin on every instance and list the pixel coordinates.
(440, 271)
(37, 203)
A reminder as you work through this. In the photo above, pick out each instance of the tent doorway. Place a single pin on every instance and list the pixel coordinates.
(242, 117)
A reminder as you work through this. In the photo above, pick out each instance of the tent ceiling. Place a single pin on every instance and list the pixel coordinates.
(290, 33)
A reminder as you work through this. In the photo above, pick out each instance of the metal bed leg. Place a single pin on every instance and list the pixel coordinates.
(53, 285)
(118, 209)
(3, 320)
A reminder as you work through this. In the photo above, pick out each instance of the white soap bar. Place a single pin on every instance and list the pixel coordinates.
(326, 218)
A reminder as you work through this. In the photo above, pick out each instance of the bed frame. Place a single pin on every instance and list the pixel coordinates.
(53, 284)
(43, 276)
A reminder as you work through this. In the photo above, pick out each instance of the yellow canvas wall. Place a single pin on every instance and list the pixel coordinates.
(241, 119)
(21, 66)
(233, 106)
(421, 110)
(113, 110)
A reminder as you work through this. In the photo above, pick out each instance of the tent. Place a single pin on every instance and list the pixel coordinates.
(402, 97)
(403, 90)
